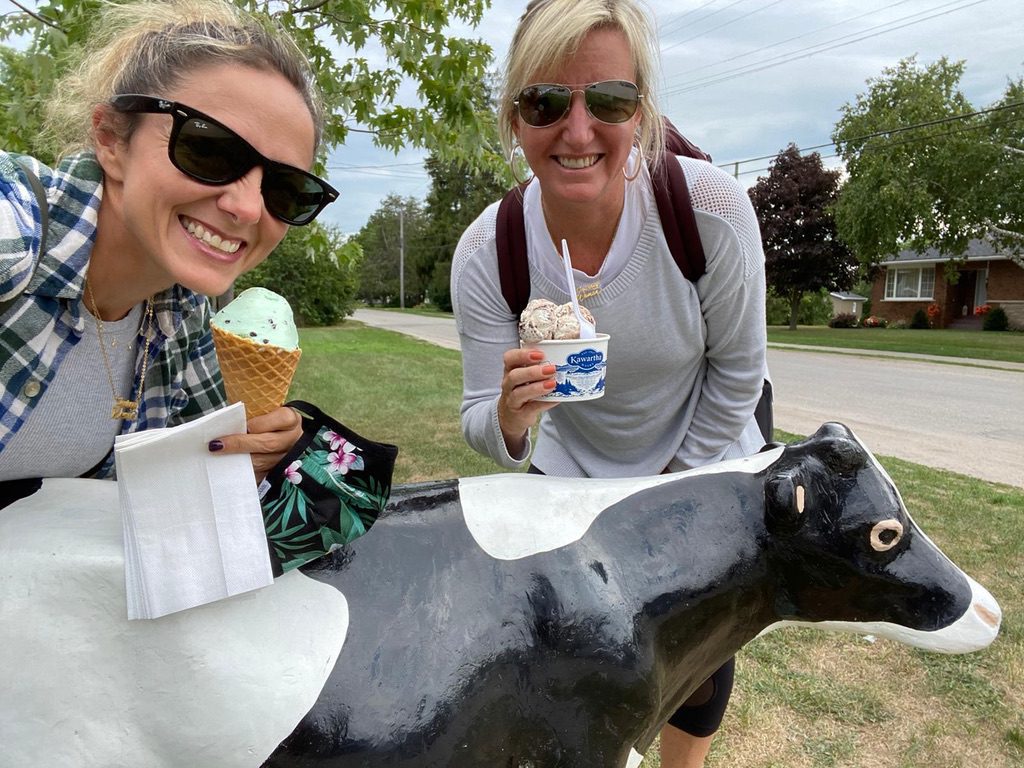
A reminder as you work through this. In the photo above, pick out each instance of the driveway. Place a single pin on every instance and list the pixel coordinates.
(931, 411)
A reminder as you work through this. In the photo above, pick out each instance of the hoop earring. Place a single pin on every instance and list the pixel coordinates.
(639, 163)
(512, 163)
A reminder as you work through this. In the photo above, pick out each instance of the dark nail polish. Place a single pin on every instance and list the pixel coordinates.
(215, 445)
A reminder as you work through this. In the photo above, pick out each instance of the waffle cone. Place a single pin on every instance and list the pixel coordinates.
(255, 374)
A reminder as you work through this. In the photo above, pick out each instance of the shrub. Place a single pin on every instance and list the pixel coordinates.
(439, 289)
(314, 270)
(898, 325)
(815, 309)
(874, 322)
(843, 320)
(920, 320)
(995, 320)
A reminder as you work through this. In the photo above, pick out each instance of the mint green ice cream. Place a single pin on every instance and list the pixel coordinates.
(260, 316)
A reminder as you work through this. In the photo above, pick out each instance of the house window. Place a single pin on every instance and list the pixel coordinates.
(910, 283)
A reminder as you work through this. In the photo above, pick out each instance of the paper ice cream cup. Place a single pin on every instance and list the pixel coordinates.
(580, 366)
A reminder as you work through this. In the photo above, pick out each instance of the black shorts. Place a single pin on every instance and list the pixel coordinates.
(702, 713)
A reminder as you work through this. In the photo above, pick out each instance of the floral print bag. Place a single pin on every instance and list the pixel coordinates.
(328, 490)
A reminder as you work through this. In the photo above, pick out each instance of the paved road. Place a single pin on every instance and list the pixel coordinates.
(963, 418)
(966, 418)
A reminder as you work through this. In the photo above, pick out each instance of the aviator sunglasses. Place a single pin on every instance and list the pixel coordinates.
(610, 101)
(210, 152)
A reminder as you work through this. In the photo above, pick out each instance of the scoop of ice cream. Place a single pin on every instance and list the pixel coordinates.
(537, 321)
(567, 326)
(261, 316)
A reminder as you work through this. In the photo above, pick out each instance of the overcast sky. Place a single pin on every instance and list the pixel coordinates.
(744, 78)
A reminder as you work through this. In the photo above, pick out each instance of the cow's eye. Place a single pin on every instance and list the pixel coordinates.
(886, 534)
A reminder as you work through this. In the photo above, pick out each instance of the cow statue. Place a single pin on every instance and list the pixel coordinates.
(501, 621)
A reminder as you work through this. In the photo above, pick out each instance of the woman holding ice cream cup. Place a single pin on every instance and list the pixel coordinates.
(190, 128)
(686, 359)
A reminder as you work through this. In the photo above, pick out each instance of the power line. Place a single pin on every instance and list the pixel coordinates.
(709, 15)
(681, 75)
(382, 170)
(678, 21)
(723, 24)
(378, 172)
(886, 132)
(880, 147)
(350, 167)
(809, 51)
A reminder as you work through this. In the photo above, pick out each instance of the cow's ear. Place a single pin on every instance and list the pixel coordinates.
(843, 455)
(784, 499)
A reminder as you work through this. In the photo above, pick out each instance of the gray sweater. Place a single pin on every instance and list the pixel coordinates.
(686, 361)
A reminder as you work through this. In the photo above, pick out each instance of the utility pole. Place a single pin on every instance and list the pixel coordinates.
(401, 258)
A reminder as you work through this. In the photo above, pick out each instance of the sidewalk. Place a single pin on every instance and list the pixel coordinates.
(437, 330)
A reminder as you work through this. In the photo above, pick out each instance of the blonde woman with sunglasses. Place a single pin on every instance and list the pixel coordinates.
(188, 132)
(686, 360)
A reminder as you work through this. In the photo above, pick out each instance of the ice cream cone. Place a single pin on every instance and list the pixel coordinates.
(258, 375)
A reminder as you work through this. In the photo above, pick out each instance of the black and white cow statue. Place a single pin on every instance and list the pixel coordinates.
(498, 621)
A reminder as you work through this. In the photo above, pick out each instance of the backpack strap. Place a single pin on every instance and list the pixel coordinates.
(677, 220)
(510, 239)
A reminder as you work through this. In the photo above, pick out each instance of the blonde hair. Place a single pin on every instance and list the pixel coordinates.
(548, 35)
(148, 47)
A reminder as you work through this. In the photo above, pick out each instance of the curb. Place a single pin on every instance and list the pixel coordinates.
(1002, 365)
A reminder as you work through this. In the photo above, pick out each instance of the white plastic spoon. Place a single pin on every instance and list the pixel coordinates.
(587, 328)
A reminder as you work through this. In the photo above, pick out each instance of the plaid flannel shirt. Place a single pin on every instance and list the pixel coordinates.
(41, 305)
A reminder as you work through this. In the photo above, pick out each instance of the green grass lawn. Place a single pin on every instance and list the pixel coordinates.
(803, 698)
(983, 345)
(393, 389)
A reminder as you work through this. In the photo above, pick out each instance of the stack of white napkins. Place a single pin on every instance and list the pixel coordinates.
(193, 528)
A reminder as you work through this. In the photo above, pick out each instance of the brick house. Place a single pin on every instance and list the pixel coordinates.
(913, 280)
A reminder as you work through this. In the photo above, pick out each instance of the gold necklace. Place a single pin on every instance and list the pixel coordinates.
(592, 288)
(589, 290)
(123, 408)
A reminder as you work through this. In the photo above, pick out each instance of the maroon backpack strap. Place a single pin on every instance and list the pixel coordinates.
(677, 219)
(510, 239)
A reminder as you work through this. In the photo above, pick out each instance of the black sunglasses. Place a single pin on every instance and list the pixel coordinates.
(610, 101)
(210, 152)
